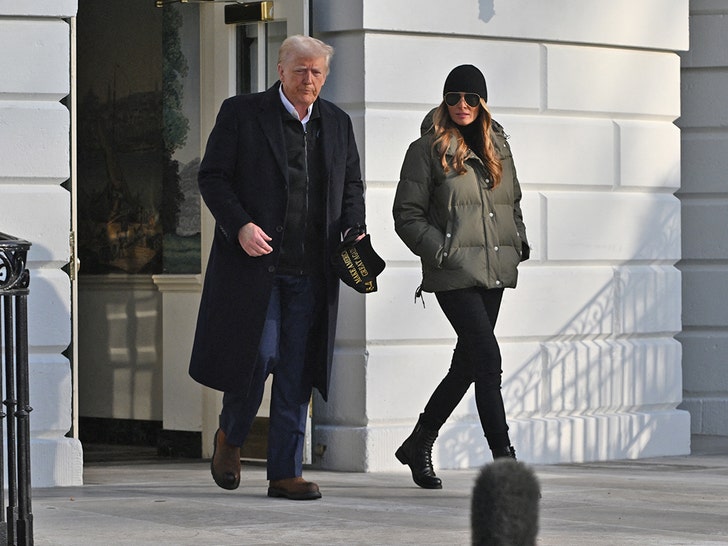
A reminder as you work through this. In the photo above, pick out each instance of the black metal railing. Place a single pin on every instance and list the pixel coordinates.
(16, 516)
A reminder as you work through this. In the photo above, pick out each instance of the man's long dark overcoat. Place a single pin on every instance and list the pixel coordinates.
(243, 178)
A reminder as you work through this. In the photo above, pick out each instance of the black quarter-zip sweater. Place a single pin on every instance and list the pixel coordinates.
(302, 247)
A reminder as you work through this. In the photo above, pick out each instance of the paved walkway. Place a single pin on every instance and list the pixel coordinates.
(665, 501)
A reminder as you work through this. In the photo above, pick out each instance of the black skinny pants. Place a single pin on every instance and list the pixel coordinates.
(472, 312)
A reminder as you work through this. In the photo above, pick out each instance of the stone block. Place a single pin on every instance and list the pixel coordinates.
(701, 105)
(705, 157)
(714, 420)
(522, 389)
(401, 378)
(40, 8)
(584, 79)
(50, 394)
(393, 371)
(705, 355)
(599, 437)
(349, 58)
(576, 302)
(601, 376)
(536, 141)
(392, 314)
(380, 225)
(49, 311)
(649, 300)
(35, 137)
(347, 390)
(703, 225)
(612, 226)
(649, 154)
(351, 320)
(557, 20)
(531, 209)
(579, 377)
(389, 59)
(34, 58)
(389, 134)
(342, 448)
(708, 38)
(56, 462)
(34, 213)
(695, 408)
(702, 304)
(651, 373)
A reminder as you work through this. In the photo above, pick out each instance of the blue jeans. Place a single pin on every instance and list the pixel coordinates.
(294, 306)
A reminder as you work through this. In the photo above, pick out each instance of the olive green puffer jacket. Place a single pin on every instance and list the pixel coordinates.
(465, 233)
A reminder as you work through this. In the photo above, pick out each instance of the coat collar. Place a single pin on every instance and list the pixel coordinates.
(452, 146)
(331, 134)
(270, 118)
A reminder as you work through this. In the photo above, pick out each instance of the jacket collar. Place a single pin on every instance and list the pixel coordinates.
(452, 146)
(270, 118)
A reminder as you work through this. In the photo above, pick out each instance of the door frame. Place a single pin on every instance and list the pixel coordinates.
(73, 262)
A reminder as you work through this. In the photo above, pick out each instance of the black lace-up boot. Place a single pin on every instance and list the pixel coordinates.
(503, 452)
(416, 451)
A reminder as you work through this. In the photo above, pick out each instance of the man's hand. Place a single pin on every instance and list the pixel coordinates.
(254, 240)
(359, 237)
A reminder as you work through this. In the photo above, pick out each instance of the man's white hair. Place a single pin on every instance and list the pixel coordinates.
(304, 46)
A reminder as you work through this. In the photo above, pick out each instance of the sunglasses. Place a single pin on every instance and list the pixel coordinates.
(471, 99)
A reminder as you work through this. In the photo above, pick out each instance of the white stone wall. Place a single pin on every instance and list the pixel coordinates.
(704, 197)
(588, 92)
(34, 162)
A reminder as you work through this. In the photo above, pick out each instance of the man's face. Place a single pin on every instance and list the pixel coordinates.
(302, 79)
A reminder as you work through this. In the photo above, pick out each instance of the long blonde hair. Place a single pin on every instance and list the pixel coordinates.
(446, 130)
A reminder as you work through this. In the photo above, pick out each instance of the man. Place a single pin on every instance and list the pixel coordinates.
(281, 177)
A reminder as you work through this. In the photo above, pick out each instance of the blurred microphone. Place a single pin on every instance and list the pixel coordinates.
(504, 508)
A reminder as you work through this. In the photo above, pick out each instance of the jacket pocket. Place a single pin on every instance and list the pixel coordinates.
(447, 246)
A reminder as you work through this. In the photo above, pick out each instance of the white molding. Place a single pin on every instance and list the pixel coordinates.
(115, 281)
(178, 283)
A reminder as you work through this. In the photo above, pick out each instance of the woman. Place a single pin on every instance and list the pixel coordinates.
(457, 207)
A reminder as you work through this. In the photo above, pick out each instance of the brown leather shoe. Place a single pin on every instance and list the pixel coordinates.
(294, 489)
(225, 464)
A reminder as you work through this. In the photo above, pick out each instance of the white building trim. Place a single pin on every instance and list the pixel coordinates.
(591, 367)
(34, 160)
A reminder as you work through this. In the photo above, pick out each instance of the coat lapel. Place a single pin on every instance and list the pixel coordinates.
(269, 117)
(329, 132)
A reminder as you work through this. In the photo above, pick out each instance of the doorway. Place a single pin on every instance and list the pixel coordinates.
(141, 131)
(138, 209)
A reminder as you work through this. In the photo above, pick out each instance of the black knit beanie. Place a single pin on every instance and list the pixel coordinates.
(466, 79)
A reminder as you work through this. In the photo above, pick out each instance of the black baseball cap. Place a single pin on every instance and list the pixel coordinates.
(357, 264)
